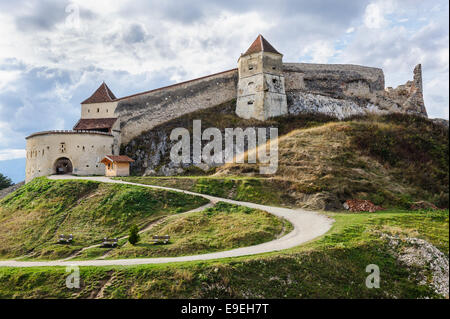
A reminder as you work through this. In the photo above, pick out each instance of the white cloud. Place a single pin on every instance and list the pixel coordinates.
(397, 48)
(47, 66)
(8, 154)
(320, 51)
(350, 30)
(373, 17)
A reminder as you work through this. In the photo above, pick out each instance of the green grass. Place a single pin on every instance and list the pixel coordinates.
(331, 267)
(248, 189)
(32, 218)
(221, 227)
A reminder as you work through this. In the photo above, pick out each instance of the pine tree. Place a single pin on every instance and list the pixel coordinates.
(5, 181)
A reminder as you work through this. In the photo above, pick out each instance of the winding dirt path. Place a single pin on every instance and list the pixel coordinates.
(307, 226)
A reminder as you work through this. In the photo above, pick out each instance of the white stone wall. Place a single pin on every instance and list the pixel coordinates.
(98, 110)
(84, 150)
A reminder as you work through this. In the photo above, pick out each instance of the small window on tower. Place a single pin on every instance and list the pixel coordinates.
(62, 147)
(251, 83)
(274, 68)
(274, 81)
(250, 102)
(98, 110)
(250, 67)
(89, 111)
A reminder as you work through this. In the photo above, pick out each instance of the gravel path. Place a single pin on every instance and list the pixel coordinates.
(307, 226)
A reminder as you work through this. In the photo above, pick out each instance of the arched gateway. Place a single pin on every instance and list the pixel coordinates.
(63, 165)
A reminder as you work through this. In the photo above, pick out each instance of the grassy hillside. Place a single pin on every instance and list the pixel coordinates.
(249, 189)
(217, 228)
(32, 218)
(391, 160)
(331, 267)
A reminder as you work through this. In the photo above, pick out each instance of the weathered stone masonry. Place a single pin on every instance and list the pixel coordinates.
(144, 111)
(262, 85)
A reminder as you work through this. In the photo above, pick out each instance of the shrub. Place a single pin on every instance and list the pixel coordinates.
(134, 235)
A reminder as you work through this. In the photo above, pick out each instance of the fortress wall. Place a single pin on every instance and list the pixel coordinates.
(335, 80)
(84, 150)
(144, 111)
(344, 90)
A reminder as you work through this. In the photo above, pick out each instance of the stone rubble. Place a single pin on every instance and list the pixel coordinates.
(357, 205)
(418, 252)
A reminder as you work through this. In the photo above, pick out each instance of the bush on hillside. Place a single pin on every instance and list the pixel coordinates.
(134, 235)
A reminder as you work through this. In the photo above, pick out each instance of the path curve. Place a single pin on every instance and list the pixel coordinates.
(307, 226)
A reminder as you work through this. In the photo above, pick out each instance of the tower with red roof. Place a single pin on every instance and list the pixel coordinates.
(261, 91)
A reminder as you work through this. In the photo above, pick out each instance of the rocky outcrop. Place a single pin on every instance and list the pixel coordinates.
(410, 95)
(10, 189)
(419, 253)
(441, 122)
(346, 90)
(302, 102)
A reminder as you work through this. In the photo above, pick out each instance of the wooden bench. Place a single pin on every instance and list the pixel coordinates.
(161, 239)
(109, 242)
(63, 239)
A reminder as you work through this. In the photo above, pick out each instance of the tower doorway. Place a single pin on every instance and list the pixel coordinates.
(63, 165)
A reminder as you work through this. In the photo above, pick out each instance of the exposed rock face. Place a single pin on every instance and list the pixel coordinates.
(442, 122)
(346, 90)
(410, 95)
(10, 189)
(420, 253)
(303, 102)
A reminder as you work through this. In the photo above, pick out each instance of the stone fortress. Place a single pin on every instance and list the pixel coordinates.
(262, 85)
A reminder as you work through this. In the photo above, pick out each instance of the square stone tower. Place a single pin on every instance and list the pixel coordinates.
(261, 92)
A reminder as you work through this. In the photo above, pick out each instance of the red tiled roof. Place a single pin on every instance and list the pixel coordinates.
(95, 124)
(102, 94)
(261, 44)
(117, 159)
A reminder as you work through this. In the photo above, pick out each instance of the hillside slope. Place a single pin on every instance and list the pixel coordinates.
(332, 267)
(151, 149)
(32, 218)
(392, 160)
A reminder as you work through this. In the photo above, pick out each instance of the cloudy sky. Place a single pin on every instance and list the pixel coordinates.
(54, 54)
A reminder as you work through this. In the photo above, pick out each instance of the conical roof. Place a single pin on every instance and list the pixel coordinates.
(261, 44)
(102, 94)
